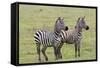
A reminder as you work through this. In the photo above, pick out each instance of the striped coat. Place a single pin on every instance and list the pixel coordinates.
(49, 39)
(74, 36)
(46, 38)
(71, 36)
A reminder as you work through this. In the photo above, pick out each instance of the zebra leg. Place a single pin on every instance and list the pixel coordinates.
(43, 51)
(55, 52)
(59, 50)
(38, 52)
(79, 49)
(75, 49)
(59, 54)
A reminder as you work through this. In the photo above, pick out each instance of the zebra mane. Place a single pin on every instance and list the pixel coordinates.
(80, 19)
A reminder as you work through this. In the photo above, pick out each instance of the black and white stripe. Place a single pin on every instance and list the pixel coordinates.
(49, 39)
(45, 38)
(74, 36)
(70, 36)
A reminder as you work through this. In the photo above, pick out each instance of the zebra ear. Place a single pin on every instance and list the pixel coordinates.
(78, 19)
(83, 18)
(59, 18)
(63, 18)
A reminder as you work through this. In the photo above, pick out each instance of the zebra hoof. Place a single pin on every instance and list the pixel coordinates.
(75, 56)
(46, 59)
(39, 60)
(78, 55)
(56, 58)
(60, 57)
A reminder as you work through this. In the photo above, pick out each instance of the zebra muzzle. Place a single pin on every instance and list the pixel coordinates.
(66, 28)
(87, 28)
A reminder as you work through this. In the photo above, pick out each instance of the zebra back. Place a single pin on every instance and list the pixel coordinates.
(45, 38)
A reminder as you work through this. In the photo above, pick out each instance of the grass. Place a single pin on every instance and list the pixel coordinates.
(33, 18)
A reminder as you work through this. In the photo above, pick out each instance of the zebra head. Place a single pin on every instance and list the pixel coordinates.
(60, 25)
(81, 23)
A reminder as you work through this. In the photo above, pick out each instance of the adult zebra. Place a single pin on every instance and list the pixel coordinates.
(73, 36)
(49, 39)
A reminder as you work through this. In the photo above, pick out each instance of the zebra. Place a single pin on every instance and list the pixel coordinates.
(49, 39)
(73, 36)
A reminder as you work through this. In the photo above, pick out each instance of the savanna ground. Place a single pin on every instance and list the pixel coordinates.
(33, 18)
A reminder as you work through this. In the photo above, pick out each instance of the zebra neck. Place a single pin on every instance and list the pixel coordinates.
(56, 33)
(78, 29)
(79, 33)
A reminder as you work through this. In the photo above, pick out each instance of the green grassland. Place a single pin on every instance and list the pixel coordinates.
(33, 18)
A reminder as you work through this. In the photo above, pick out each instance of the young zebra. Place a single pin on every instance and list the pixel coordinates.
(74, 36)
(48, 39)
